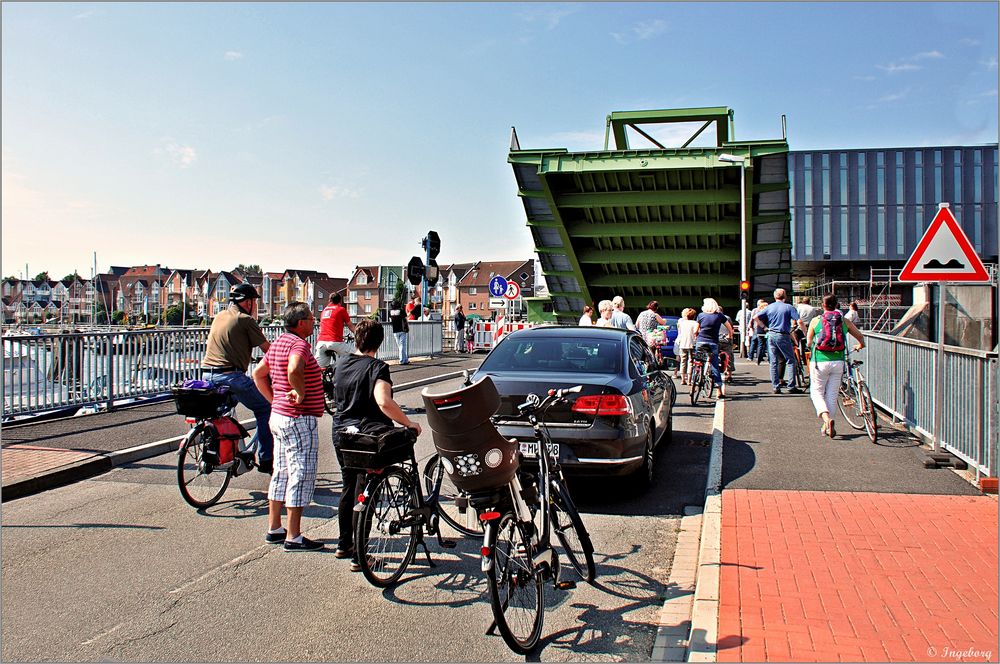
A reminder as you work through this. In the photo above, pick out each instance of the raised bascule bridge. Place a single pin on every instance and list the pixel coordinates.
(672, 224)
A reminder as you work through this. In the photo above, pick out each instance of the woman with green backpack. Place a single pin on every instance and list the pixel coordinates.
(827, 338)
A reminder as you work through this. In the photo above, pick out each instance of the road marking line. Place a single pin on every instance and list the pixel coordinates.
(103, 634)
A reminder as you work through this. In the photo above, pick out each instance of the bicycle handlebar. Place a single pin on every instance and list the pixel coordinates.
(533, 402)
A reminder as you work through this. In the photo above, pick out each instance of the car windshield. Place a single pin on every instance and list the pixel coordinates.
(572, 355)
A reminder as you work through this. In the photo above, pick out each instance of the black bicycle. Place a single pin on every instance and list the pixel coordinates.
(394, 511)
(520, 497)
(214, 451)
(328, 376)
(701, 373)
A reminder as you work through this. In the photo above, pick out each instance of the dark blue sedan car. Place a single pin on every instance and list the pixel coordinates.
(612, 427)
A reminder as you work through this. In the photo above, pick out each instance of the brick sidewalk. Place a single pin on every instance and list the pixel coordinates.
(836, 576)
(21, 462)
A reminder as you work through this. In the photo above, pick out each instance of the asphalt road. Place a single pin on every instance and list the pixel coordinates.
(118, 567)
(764, 449)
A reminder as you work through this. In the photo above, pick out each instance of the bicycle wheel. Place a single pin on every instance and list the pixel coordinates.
(572, 534)
(387, 531)
(201, 483)
(850, 405)
(516, 591)
(329, 401)
(697, 382)
(868, 411)
(452, 507)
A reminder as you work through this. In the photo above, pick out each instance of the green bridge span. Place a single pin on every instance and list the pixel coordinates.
(658, 223)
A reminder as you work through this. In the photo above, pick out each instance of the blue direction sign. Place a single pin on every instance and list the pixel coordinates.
(498, 286)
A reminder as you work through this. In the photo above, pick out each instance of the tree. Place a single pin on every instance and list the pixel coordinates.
(253, 269)
(117, 317)
(71, 277)
(400, 289)
(175, 314)
(42, 276)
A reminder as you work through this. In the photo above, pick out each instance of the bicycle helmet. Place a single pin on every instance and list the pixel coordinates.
(241, 292)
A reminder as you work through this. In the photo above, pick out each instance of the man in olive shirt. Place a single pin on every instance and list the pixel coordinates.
(234, 335)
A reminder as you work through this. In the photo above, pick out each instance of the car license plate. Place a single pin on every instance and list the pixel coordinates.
(531, 449)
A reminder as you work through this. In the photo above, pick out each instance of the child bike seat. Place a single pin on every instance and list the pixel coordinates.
(474, 454)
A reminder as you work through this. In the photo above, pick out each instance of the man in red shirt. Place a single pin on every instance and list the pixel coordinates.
(332, 322)
(413, 309)
(290, 379)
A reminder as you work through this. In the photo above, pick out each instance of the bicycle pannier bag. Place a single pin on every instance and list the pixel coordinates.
(474, 454)
(831, 332)
(230, 433)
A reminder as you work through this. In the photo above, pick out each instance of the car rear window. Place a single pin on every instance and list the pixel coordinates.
(562, 355)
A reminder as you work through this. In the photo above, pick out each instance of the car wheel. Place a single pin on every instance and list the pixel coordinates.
(643, 477)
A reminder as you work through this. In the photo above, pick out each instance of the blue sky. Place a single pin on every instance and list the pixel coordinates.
(324, 136)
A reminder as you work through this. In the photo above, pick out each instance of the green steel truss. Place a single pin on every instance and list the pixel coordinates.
(656, 223)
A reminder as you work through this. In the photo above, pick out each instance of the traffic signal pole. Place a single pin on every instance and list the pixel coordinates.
(423, 280)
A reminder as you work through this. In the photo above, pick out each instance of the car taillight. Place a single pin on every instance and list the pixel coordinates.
(605, 405)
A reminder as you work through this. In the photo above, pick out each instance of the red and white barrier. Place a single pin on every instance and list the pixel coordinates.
(488, 333)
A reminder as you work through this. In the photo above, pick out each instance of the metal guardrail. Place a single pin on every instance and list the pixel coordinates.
(901, 376)
(53, 372)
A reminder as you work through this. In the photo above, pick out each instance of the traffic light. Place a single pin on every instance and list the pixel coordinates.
(432, 243)
(431, 271)
(415, 271)
(745, 290)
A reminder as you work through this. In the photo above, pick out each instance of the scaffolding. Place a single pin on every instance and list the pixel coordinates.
(882, 299)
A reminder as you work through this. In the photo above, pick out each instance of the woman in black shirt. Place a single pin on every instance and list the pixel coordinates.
(363, 392)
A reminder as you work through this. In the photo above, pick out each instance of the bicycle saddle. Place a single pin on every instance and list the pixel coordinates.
(474, 454)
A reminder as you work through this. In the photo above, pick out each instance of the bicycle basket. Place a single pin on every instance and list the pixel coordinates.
(375, 447)
(474, 454)
(202, 402)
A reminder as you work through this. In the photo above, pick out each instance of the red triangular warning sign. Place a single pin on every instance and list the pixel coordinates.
(944, 253)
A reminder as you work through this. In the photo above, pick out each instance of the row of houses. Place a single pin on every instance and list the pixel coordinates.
(143, 293)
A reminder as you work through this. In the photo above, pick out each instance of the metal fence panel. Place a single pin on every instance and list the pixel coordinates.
(52, 372)
(901, 374)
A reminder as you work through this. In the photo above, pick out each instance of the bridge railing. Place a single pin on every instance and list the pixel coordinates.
(52, 372)
(901, 376)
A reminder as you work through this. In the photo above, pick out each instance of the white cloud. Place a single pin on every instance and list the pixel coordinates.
(896, 96)
(989, 93)
(641, 31)
(331, 192)
(181, 155)
(864, 78)
(928, 54)
(990, 64)
(549, 16)
(87, 14)
(968, 41)
(232, 55)
(893, 68)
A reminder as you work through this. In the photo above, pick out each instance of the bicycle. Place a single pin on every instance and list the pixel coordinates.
(801, 362)
(213, 451)
(519, 509)
(517, 557)
(701, 373)
(393, 510)
(328, 376)
(855, 400)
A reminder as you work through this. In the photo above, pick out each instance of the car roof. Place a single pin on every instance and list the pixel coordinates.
(572, 331)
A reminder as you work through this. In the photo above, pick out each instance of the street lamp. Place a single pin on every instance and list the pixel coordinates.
(733, 159)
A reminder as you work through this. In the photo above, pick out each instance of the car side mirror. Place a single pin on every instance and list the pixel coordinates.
(466, 378)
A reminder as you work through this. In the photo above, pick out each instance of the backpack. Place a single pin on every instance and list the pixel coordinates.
(831, 334)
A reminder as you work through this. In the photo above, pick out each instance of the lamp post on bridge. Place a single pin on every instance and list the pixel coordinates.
(741, 161)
